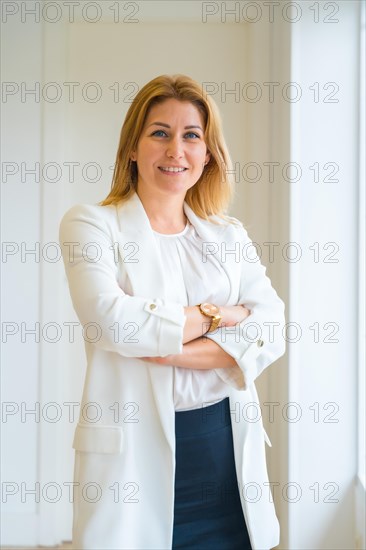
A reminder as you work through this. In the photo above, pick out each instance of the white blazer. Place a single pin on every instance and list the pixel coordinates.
(125, 438)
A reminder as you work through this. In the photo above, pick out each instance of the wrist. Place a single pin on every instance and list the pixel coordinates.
(205, 322)
(224, 317)
(212, 313)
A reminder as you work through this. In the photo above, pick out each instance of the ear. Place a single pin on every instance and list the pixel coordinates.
(133, 155)
(207, 158)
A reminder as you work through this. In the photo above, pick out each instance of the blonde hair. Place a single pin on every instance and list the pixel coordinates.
(213, 191)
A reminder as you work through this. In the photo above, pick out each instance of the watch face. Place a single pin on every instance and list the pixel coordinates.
(210, 309)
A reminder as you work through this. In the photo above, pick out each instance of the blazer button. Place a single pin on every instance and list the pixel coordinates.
(153, 306)
(260, 343)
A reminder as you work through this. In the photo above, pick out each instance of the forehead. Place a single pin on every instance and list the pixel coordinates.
(174, 110)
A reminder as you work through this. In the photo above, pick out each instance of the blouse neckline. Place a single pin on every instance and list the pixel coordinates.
(173, 234)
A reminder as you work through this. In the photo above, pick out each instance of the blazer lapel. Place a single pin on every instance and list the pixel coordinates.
(217, 239)
(145, 271)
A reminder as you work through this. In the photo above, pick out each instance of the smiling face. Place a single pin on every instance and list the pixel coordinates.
(171, 152)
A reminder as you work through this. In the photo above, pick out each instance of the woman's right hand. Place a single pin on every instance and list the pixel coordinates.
(231, 315)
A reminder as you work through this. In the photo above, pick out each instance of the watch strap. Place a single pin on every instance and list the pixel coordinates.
(215, 319)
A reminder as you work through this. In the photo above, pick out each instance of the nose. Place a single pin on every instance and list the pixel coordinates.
(174, 148)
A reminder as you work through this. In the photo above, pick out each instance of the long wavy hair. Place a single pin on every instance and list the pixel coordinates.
(213, 192)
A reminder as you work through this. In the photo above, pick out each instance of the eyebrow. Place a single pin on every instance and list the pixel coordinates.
(167, 125)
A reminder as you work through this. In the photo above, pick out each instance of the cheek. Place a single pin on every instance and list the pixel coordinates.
(145, 154)
(200, 157)
(151, 152)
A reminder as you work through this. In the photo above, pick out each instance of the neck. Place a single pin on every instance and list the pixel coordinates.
(165, 213)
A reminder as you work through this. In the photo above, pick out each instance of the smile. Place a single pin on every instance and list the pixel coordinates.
(172, 169)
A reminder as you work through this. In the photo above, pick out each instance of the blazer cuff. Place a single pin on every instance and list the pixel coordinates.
(170, 335)
(245, 353)
(243, 374)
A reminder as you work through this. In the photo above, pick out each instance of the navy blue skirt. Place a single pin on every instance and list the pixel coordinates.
(207, 509)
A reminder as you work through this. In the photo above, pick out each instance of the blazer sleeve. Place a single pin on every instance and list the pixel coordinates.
(257, 341)
(133, 326)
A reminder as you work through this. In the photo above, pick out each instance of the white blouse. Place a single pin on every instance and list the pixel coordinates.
(192, 281)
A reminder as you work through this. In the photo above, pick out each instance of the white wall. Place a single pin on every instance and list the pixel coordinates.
(323, 292)
(21, 296)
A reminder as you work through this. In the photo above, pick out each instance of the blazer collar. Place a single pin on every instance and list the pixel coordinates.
(134, 220)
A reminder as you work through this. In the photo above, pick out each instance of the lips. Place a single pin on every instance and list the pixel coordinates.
(173, 169)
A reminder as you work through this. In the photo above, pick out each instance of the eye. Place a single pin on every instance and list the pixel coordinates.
(159, 133)
(191, 135)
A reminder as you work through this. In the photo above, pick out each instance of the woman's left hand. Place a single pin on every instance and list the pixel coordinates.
(201, 354)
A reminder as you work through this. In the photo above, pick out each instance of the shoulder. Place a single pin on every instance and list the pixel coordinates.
(229, 226)
(83, 222)
(88, 213)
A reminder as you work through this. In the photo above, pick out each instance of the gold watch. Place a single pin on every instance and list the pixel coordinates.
(213, 312)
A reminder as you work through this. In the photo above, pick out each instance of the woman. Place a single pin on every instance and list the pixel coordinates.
(174, 309)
